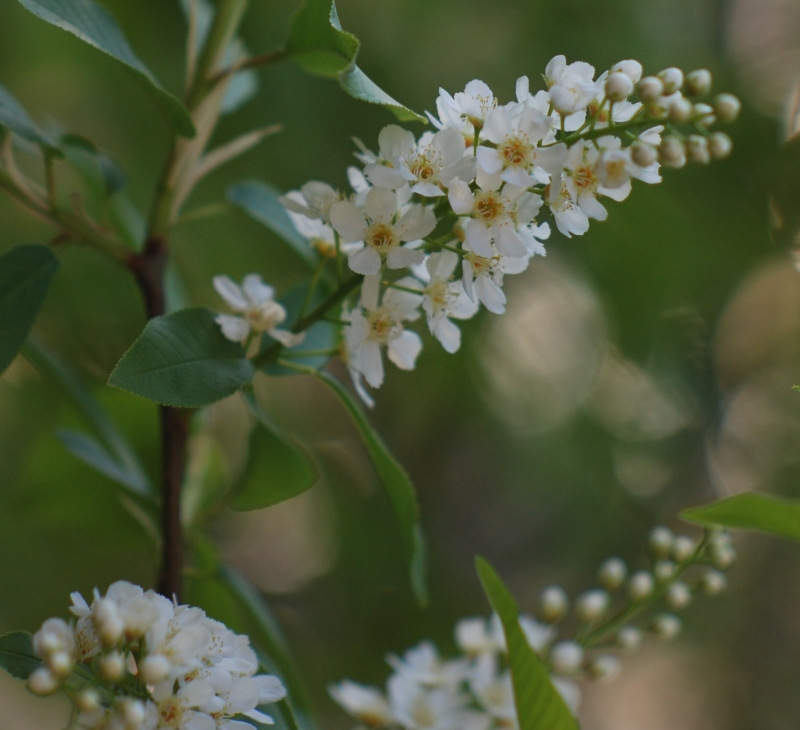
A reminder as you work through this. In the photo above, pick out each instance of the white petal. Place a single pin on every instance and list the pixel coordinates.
(416, 224)
(383, 176)
(523, 89)
(259, 717)
(235, 329)
(404, 350)
(497, 126)
(518, 176)
(490, 294)
(198, 721)
(286, 338)
(490, 161)
(256, 290)
(348, 221)
(401, 256)
(370, 291)
(367, 261)
(508, 242)
(592, 207)
(447, 333)
(478, 239)
(427, 189)
(381, 205)
(467, 279)
(460, 197)
(230, 291)
(372, 364)
(394, 141)
(450, 144)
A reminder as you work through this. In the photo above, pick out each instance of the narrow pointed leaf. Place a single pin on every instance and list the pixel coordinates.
(751, 511)
(17, 656)
(318, 43)
(183, 360)
(396, 483)
(93, 24)
(278, 468)
(90, 451)
(15, 118)
(113, 441)
(261, 202)
(26, 273)
(538, 703)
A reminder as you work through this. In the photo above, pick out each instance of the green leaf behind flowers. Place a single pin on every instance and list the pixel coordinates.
(17, 656)
(751, 511)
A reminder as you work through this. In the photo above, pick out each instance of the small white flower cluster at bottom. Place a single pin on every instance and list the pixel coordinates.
(135, 660)
(473, 692)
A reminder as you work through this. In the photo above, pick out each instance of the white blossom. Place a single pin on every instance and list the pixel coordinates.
(572, 86)
(313, 201)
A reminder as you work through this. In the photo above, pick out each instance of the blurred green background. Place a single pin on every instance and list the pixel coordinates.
(640, 369)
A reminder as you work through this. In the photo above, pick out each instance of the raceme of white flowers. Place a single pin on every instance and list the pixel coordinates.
(133, 660)
(578, 640)
(435, 224)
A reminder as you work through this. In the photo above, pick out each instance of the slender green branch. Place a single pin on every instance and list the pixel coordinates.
(312, 287)
(263, 59)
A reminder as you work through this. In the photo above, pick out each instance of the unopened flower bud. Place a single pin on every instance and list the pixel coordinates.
(592, 605)
(713, 582)
(664, 570)
(561, 99)
(643, 154)
(629, 638)
(698, 83)
(42, 682)
(60, 664)
(722, 555)
(666, 626)
(650, 89)
(132, 713)
(553, 604)
(55, 635)
(605, 667)
(612, 574)
(88, 700)
(112, 667)
(672, 79)
(632, 69)
(108, 622)
(618, 86)
(684, 547)
(154, 669)
(566, 657)
(641, 585)
(672, 153)
(727, 108)
(661, 538)
(697, 151)
(679, 596)
(680, 110)
(719, 145)
(704, 115)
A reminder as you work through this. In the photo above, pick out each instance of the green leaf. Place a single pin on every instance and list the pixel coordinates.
(267, 635)
(318, 43)
(90, 451)
(25, 276)
(539, 704)
(102, 173)
(278, 468)
(15, 118)
(17, 656)
(396, 482)
(260, 201)
(93, 24)
(113, 441)
(183, 360)
(244, 85)
(751, 511)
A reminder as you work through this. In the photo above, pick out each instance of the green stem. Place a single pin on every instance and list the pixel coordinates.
(312, 287)
(311, 353)
(400, 287)
(431, 242)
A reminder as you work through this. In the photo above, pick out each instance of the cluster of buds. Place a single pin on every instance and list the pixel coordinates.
(134, 660)
(578, 640)
(435, 224)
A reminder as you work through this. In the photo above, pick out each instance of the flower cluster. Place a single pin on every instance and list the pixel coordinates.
(581, 641)
(134, 660)
(435, 224)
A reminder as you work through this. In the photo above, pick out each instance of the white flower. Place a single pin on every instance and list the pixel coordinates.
(495, 214)
(427, 165)
(255, 300)
(319, 234)
(570, 693)
(482, 277)
(416, 707)
(493, 689)
(314, 200)
(422, 665)
(380, 231)
(465, 110)
(367, 704)
(476, 636)
(540, 102)
(379, 326)
(571, 86)
(516, 155)
(444, 299)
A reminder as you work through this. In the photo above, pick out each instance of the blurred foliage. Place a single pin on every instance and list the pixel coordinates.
(641, 369)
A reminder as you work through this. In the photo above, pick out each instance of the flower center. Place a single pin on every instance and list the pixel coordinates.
(266, 317)
(480, 265)
(381, 237)
(423, 715)
(489, 206)
(383, 327)
(439, 294)
(324, 248)
(585, 178)
(423, 168)
(516, 151)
